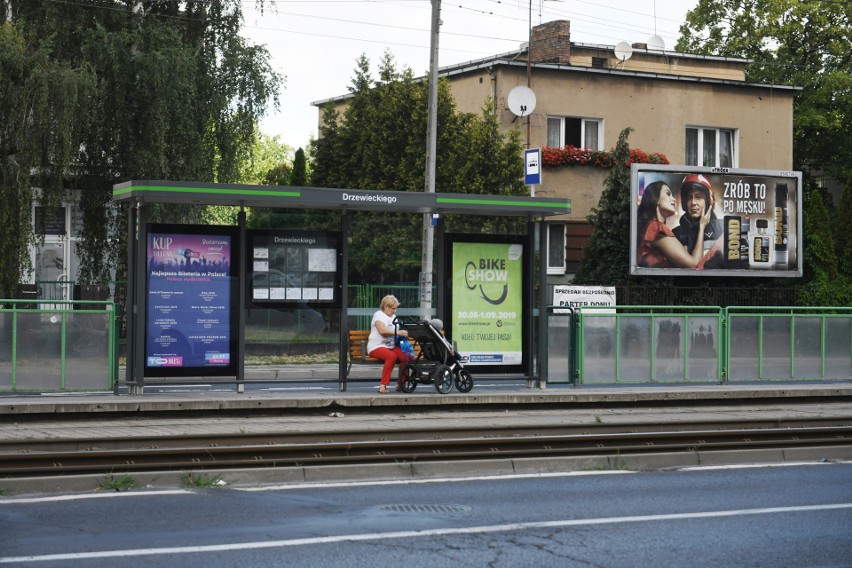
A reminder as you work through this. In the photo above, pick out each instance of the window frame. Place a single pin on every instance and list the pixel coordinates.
(553, 269)
(584, 120)
(700, 132)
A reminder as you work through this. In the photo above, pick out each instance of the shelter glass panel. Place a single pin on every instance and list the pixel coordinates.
(39, 363)
(635, 347)
(703, 356)
(777, 350)
(87, 363)
(838, 347)
(558, 348)
(599, 355)
(669, 361)
(6, 350)
(744, 350)
(808, 345)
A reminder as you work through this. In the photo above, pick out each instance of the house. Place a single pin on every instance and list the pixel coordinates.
(697, 110)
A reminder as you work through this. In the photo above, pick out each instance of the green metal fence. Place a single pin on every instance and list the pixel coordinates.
(703, 344)
(370, 295)
(785, 343)
(55, 346)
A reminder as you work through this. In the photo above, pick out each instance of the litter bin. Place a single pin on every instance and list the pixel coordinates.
(28, 292)
(91, 292)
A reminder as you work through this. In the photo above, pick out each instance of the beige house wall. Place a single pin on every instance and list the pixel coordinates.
(658, 110)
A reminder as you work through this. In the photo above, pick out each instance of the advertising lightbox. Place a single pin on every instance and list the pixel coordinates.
(191, 300)
(486, 302)
(689, 221)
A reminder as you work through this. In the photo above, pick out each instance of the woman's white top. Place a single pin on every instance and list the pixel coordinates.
(376, 339)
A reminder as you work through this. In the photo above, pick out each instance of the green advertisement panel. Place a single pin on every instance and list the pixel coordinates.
(487, 302)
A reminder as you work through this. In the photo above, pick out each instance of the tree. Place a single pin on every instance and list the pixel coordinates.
(379, 142)
(43, 111)
(299, 177)
(825, 286)
(804, 43)
(843, 242)
(164, 90)
(606, 259)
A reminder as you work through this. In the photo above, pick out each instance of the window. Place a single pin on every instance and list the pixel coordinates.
(555, 248)
(715, 146)
(574, 131)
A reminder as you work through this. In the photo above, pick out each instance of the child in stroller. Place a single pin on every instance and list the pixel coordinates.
(437, 361)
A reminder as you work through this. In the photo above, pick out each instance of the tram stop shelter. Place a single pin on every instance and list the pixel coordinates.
(205, 271)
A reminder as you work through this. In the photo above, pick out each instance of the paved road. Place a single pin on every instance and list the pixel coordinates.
(769, 516)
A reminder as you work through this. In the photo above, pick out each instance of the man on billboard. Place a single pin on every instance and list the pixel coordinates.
(696, 198)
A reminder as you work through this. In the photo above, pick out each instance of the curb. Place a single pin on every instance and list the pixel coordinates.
(301, 475)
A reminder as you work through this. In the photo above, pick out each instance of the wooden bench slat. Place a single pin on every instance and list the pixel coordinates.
(358, 347)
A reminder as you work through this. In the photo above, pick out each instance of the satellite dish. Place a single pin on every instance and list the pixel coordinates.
(521, 100)
(656, 42)
(623, 51)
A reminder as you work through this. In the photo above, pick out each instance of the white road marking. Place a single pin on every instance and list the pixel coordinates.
(753, 465)
(418, 480)
(80, 496)
(439, 532)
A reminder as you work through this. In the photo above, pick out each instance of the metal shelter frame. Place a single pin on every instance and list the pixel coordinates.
(140, 192)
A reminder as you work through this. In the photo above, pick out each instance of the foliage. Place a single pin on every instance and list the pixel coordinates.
(379, 143)
(804, 43)
(299, 177)
(43, 112)
(152, 90)
(825, 286)
(843, 241)
(124, 482)
(268, 155)
(573, 156)
(606, 259)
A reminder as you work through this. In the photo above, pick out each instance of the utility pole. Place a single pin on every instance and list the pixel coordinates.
(431, 149)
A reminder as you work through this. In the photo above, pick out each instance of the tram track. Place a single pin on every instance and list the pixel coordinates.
(67, 456)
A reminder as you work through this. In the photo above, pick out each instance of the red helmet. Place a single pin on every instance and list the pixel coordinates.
(692, 182)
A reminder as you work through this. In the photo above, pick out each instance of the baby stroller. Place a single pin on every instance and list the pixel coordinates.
(437, 362)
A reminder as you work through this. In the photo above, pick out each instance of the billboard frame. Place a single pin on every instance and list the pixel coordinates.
(794, 177)
(234, 248)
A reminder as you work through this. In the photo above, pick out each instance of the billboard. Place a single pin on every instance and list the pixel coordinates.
(486, 301)
(689, 221)
(190, 323)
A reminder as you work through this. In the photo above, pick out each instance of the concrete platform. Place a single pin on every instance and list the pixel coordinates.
(326, 395)
(301, 408)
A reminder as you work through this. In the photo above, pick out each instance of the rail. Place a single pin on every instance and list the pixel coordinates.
(200, 452)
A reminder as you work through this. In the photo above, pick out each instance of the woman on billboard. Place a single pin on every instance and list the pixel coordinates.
(658, 246)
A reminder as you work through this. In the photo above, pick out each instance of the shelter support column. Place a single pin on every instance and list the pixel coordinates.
(241, 305)
(542, 304)
(344, 302)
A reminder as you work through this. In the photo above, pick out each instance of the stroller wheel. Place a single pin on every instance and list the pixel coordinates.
(443, 377)
(408, 382)
(464, 380)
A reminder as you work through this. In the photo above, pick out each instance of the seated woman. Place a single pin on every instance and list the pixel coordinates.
(658, 247)
(381, 343)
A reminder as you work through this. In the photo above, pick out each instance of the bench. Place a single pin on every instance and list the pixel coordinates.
(358, 348)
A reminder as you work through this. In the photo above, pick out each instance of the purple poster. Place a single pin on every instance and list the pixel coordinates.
(189, 313)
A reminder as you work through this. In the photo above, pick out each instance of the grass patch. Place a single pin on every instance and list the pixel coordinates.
(121, 483)
(307, 359)
(199, 481)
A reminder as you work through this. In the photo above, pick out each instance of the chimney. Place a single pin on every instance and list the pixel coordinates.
(551, 43)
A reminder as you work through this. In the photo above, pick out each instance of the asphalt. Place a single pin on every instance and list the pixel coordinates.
(313, 403)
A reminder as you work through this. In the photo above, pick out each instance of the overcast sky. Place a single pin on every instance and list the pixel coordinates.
(315, 43)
